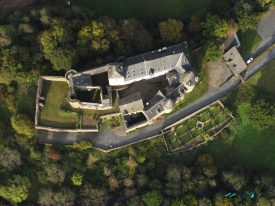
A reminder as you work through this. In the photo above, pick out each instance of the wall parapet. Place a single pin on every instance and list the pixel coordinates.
(65, 130)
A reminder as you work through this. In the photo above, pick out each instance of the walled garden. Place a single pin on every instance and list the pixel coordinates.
(197, 129)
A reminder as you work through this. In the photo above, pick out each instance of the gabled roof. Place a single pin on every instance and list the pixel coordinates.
(114, 73)
(155, 62)
(131, 104)
(235, 61)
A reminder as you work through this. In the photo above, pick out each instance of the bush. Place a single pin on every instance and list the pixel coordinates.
(82, 145)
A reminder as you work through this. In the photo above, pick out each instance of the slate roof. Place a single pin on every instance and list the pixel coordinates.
(131, 104)
(82, 80)
(235, 61)
(158, 61)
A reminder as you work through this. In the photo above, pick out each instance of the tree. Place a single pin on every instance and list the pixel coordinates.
(219, 200)
(194, 25)
(213, 53)
(233, 27)
(135, 201)
(113, 183)
(93, 196)
(235, 179)
(142, 180)
(205, 160)
(130, 40)
(53, 154)
(261, 114)
(54, 173)
(17, 189)
(173, 174)
(22, 125)
(10, 159)
(131, 163)
(215, 27)
(64, 197)
(187, 200)
(170, 30)
(210, 171)
(263, 2)
(152, 198)
(247, 21)
(46, 197)
(83, 145)
(56, 44)
(77, 178)
(128, 182)
(91, 159)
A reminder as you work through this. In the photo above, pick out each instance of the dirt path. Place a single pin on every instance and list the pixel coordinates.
(15, 4)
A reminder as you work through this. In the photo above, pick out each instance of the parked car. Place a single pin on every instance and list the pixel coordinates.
(249, 60)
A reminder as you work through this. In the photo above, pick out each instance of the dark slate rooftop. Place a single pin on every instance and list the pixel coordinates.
(82, 80)
(158, 61)
(235, 61)
(130, 104)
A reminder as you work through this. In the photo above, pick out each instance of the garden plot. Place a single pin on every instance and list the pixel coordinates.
(197, 129)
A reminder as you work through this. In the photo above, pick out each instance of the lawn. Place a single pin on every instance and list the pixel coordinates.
(264, 79)
(204, 117)
(147, 10)
(250, 40)
(184, 139)
(246, 146)
(175, 144)
(181, 130)
(55, 94)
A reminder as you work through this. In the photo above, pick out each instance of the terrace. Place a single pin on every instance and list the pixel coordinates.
(197, 129)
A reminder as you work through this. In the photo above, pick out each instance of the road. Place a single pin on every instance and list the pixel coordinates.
(108, 139)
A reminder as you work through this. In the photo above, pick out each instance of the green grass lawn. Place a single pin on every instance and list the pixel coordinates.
(184, 139)
(264, 79)
(175, 144)
(147, 10)
(204, 117)
(191, 124)
(55, 94)
(196, 132)
(246, 146)
(250, 40)
(181, 130)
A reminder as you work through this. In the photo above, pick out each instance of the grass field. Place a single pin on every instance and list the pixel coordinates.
(55, 94)
(147, 10)
(250, 40)
(245, 146)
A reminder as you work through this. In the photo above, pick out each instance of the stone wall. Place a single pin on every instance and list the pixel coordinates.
(187, 117)
(96, 70)
(37, 110)
(108, 116)
(126, 145)
(66, 130)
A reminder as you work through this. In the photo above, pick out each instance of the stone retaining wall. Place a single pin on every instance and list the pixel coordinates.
(96, 70)
(112, 149)
(65, 130)
(108, 116)
(37, 110)
(193, 114)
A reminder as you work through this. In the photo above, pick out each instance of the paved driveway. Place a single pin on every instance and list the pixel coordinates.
(266, 30)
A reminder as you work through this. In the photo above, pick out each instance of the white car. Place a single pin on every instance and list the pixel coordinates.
(249, 60)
